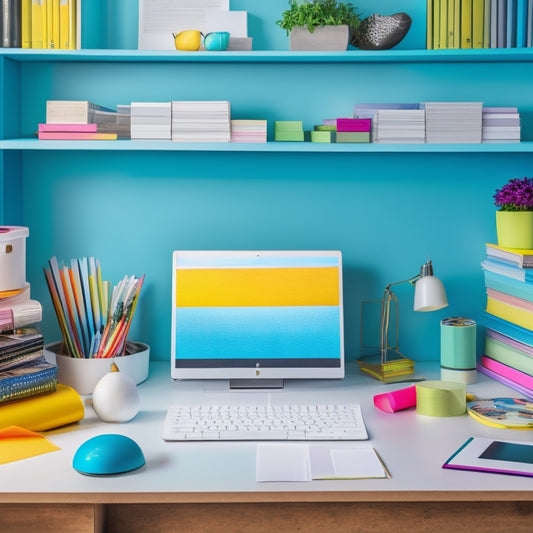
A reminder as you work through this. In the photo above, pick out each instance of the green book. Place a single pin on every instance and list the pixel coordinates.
(508, 355)
(288, 125)
(325, 127)
(353, 137)
(289, 136)
(323, 136)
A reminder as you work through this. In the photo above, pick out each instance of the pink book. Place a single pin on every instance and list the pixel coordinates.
(68, 127)
(76, 136)
(353, 124)
(508, 372)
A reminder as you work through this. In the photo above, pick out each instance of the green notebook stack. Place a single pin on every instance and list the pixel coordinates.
(288, 130)
(324, 134)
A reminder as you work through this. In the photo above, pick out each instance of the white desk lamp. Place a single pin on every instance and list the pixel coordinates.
(429, 296)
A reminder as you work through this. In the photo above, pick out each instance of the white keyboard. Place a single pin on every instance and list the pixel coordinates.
(264, 422)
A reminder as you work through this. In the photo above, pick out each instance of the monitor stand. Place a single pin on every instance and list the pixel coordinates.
(256, 383)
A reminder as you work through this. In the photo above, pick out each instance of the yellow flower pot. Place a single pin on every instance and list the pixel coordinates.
(515, 229)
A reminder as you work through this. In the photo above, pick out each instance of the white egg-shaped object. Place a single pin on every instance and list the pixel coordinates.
(115, 397)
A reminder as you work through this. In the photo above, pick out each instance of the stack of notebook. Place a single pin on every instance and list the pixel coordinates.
(453, 122)
(501, 125)
(289, 130)
(248, 131)
(201, 121)
(399, 126)
(150, 120)
(508, 352)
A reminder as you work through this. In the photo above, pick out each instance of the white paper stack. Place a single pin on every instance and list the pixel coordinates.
(248, 131)
(369, 110)
(501, 125)
(150, 120)
(453, 122)
(399, 126)
(201, 121)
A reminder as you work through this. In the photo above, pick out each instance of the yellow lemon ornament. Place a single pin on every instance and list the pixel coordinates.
(188, 40)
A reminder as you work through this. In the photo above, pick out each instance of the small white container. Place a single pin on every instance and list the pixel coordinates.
(83, 374)
(13, 257)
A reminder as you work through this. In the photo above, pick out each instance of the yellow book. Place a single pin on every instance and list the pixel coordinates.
(444, 23)
(478, 21)
(436, 24)
(55, 24)
(457, 24)
(451, 24)
(519, 317)
(74, 7)
(49, 24)
(429, 24)
(26, 23)
(37, 24)
(64, 24)
(466, 24)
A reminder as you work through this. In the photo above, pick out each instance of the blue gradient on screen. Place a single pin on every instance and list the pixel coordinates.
(257, 332)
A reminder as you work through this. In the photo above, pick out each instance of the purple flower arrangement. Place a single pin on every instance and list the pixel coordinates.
(516, 195)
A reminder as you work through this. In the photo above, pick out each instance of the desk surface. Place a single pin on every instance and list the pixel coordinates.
(412, 446)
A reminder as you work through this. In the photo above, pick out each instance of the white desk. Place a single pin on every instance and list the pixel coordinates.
(212, 487)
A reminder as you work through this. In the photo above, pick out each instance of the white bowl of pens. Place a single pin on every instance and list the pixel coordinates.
(94, 321)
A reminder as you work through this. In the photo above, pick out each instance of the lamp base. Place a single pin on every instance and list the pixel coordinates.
(395, 368)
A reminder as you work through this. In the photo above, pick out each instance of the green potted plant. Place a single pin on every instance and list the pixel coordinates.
(324, 25)
(514, 220)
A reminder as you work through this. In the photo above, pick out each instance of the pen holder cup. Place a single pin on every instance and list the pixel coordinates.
(83, 374)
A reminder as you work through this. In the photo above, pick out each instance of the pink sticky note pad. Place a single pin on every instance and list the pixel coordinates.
(391, 402)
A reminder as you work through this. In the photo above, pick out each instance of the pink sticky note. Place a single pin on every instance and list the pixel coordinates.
(396, 400)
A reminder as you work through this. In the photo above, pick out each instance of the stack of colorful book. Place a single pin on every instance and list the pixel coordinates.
(248, 131)
(500, 125)
(353, 130)
(508, 352)
(289, 130)
(201, 121)
(78, 120)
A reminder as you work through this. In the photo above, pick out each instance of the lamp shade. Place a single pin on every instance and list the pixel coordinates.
(429, 294)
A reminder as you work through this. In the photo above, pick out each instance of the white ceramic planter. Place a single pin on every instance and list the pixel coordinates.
(83, 374)
(323, 38)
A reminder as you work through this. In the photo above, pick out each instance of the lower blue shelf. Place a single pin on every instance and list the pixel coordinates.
(159, 145)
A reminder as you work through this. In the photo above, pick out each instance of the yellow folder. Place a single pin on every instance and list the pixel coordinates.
(47, 411)
(517, 316)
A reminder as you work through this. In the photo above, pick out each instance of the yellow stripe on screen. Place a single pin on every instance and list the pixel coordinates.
(257, 287)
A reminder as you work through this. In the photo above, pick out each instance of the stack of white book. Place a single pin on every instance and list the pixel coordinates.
(201, 121)
(399, 126)
(248, 131)
(453, 122)
(150, 120)
(501, 125)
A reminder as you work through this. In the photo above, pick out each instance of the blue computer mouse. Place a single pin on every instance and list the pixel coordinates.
(108, 454)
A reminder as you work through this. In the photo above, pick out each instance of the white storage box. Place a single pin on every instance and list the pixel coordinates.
(13, 257)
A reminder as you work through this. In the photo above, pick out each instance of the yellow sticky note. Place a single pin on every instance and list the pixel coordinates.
(17, 443)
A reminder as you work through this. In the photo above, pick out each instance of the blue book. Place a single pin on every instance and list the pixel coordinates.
(521, 23)
(511, 23)
(27, 380)
(508, 329)
(507, 285)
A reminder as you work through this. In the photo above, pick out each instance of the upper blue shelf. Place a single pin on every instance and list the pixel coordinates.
(350, 56)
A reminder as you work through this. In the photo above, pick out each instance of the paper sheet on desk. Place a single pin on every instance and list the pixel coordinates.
(301, 462)
(17, 443)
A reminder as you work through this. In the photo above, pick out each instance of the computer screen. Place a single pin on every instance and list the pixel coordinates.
(257, 315)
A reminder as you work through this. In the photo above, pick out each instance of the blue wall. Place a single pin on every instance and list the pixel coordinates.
(386, 212)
